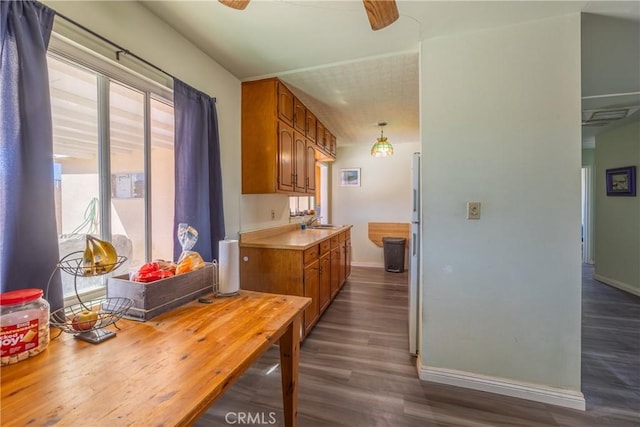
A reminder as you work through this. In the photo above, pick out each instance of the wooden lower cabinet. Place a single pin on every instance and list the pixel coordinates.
(335, 271)
(343, 261)
(317, 272)
(324, 292)
(348, 258)
(311, 290)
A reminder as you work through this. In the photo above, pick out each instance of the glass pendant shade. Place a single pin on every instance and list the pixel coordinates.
(382, 147)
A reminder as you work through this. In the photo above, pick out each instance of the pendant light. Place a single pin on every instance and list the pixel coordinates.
(382, 147)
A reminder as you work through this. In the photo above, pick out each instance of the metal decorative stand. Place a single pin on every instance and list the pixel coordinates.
(109, 310)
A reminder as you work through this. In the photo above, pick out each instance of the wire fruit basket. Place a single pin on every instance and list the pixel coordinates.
(87, 320)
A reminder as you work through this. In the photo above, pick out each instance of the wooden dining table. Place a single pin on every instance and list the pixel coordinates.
(163, 372)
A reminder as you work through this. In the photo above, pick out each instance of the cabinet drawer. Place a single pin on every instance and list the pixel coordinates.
(335, 241)
(325, 246)
(311, 254)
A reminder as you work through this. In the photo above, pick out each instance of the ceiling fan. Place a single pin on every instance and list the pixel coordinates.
(381, 13)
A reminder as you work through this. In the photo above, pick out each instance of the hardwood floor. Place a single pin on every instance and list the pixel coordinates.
(610, 349)
(355, 370)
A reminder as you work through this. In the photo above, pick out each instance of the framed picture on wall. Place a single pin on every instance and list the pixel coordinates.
(621, 181)
(350, 177)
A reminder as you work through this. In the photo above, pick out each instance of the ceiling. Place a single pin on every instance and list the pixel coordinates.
(350, 76)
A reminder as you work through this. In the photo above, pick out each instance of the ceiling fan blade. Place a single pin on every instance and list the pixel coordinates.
(235, 4)
(381, 13)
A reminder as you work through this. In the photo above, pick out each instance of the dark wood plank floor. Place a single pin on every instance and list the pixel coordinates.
(355, 370)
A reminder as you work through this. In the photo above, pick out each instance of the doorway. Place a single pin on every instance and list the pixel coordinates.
(587, 234)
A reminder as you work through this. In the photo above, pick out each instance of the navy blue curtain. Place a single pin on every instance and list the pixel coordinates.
(28, 236)
(198, 174)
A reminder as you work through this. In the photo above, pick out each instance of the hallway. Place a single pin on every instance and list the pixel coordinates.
(610, 349)
(355, 370)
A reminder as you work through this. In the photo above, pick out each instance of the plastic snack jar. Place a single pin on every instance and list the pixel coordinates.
(24, 325)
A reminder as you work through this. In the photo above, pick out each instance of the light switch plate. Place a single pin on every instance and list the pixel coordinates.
(473, 210)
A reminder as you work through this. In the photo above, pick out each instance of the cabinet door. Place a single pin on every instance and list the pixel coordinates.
(325, 282)
(310, 168)
(342, 238)
(299, 116)
(311, 127)
(347, 259)
(311, 285)
(343, 263)
(320, 134)
(333, 145)
(285, 104)
(327, 140)
(285, 157)
(335, 271)
(300, 163)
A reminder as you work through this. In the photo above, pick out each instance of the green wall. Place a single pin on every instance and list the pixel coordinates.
(617, 219)
(588, 157)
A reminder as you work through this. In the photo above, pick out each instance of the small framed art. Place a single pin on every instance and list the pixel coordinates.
(350, 177)
(621, 181)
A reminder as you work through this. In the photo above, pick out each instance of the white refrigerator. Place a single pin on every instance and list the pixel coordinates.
(414, 259)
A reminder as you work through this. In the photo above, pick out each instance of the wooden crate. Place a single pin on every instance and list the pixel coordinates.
(155, 298)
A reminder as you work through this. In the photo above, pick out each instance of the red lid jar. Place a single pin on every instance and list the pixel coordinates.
(20, 296)
(24, 325)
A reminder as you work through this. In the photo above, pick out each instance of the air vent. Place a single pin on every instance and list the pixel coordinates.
(605, 116)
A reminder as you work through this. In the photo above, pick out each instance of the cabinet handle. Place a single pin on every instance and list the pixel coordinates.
(307, 182)
(414, 243)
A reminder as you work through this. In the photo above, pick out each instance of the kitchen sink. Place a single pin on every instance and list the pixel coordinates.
(326, 226)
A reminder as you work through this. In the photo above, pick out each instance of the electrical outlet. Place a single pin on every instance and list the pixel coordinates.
(473, 210)
(273, 214)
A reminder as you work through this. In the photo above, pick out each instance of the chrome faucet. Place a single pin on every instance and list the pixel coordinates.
(313, 219)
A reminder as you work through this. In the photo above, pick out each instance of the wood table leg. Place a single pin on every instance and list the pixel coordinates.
(289, 358)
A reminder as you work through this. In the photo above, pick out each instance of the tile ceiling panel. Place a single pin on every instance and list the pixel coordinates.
(342, 98)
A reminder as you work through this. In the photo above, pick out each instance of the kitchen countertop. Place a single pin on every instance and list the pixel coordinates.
(289, 238)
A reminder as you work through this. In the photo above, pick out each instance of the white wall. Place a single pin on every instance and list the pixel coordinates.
(501, 125)
(617, 242)
(255, 211)
(132, 26)
(385, 194)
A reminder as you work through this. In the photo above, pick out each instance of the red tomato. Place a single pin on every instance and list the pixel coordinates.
(149, 267)
(152, 276)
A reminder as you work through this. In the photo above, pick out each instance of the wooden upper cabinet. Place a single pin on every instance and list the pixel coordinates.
(299, 116)
(320, 134)
(310, 131)
(260, 137)
(286, 153)
(300, 163)
(277, 154)
(333, 145)
(310, 168)
(327, 140)
(286, 109)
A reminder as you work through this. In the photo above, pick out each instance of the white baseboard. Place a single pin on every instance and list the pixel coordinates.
(617, 284)
(554, 396)
(367, 264)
